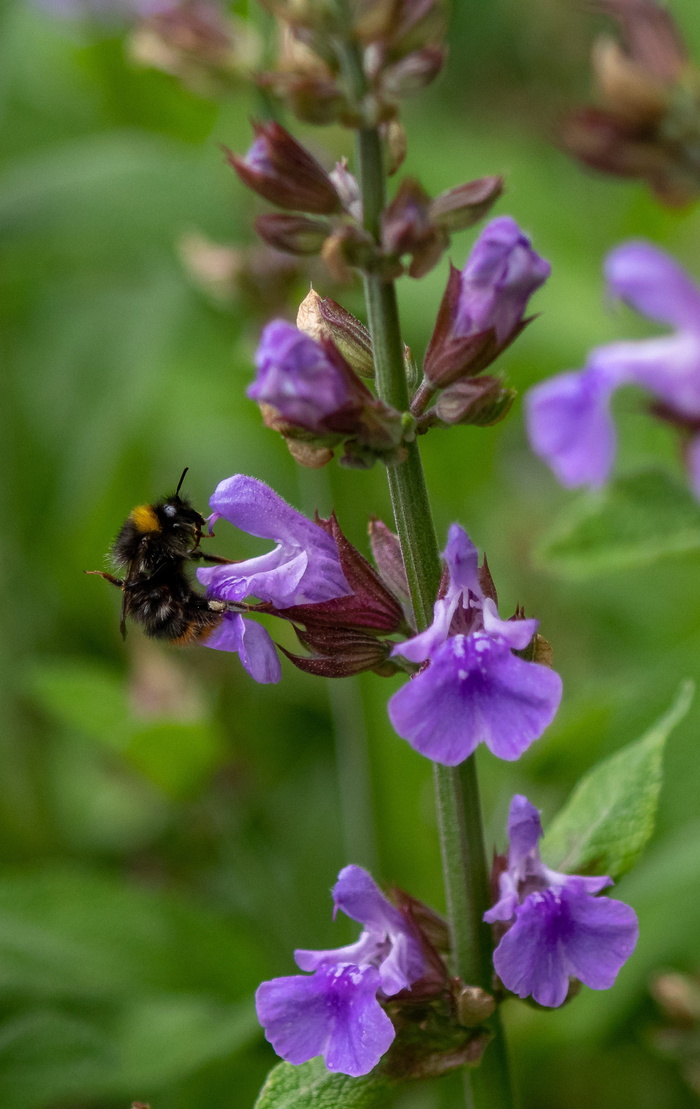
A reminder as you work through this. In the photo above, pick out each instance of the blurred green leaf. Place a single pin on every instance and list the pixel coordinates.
(177, 756)
(73, 933)
(311, 1086)
(47, 1055)
(609, 817)
(635, 520)
(83, 696)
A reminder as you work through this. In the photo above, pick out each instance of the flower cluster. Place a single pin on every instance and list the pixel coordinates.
(472, 686)
(336, 1012)
(557, 929)
(569, 421)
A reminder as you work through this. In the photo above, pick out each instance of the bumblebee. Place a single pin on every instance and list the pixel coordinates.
(154, 545)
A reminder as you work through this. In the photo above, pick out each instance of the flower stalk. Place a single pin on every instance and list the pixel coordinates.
(456, 788)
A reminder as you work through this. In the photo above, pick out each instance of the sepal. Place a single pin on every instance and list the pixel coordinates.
(282, 171)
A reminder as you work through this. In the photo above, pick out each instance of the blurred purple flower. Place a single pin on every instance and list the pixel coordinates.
(304, 567)
(474, 689)
(569, 421)
(499, 277)
(558, 928)
(297, 378)
(124, 11)
(336, 1012)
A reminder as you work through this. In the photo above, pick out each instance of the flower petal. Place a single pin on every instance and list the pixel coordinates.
(252, 644)
(654, 283)
(360, 898)
(516, 633)
(366, 951)
(334, 1013)
(475, 690)
(603, 935)
(669, 367)
(462, 559)
(570, 427)
(530, 960)
(524, 830)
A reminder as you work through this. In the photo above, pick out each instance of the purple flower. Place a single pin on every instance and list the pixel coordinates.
(474, 688)
(296, 377)
(558, 928)
(304, 568)
(336, 1012)
(501, 274)
(569, 421)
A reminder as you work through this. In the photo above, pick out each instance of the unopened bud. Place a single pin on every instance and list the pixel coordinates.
(321, 317)
(339, 652)
(293, 234)
(395, 145)
(474, 1006)
(421, 23)
(386, 551)
(374, 19)
(347, 249)
(318, 15)
(626, 86)
(480, 401)
(306, 454)
(348, 189)
(466, 204)
(413, 73)
(679, 995)
(282, 171)
(407, 229)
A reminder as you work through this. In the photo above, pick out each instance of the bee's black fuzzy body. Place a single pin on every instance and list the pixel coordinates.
(154, 546)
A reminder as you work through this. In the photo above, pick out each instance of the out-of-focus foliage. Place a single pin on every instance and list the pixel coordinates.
(168, 829)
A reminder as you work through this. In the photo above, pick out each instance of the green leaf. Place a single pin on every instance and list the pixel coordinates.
(609, 817)
(311, 1086)
(635, 520)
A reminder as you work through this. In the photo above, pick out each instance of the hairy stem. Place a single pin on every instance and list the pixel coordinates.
(456, 788)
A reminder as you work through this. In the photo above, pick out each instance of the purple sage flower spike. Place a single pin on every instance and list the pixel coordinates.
(333, 1013)
(304, 567)
(568, 417)
(336, 1012)
(474, 689)
(557, 928)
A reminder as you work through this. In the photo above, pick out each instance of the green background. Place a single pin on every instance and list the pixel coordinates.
(169, 830)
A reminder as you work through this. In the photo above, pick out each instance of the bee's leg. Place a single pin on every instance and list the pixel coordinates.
(195, 555)
(108, 577)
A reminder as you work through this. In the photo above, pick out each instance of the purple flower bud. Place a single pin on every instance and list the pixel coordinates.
(568, 417)
(336, 1012)
(483, 307)
(282, 171)
(298, 379)
(557, 928)
(474, 689)
(501, 274)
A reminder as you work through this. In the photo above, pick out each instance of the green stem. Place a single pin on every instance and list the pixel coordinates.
(456, 788)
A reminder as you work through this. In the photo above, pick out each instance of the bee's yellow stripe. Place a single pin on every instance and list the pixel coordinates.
(145, 518)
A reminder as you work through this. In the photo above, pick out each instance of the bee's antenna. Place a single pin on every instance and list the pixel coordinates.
(179, 484)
